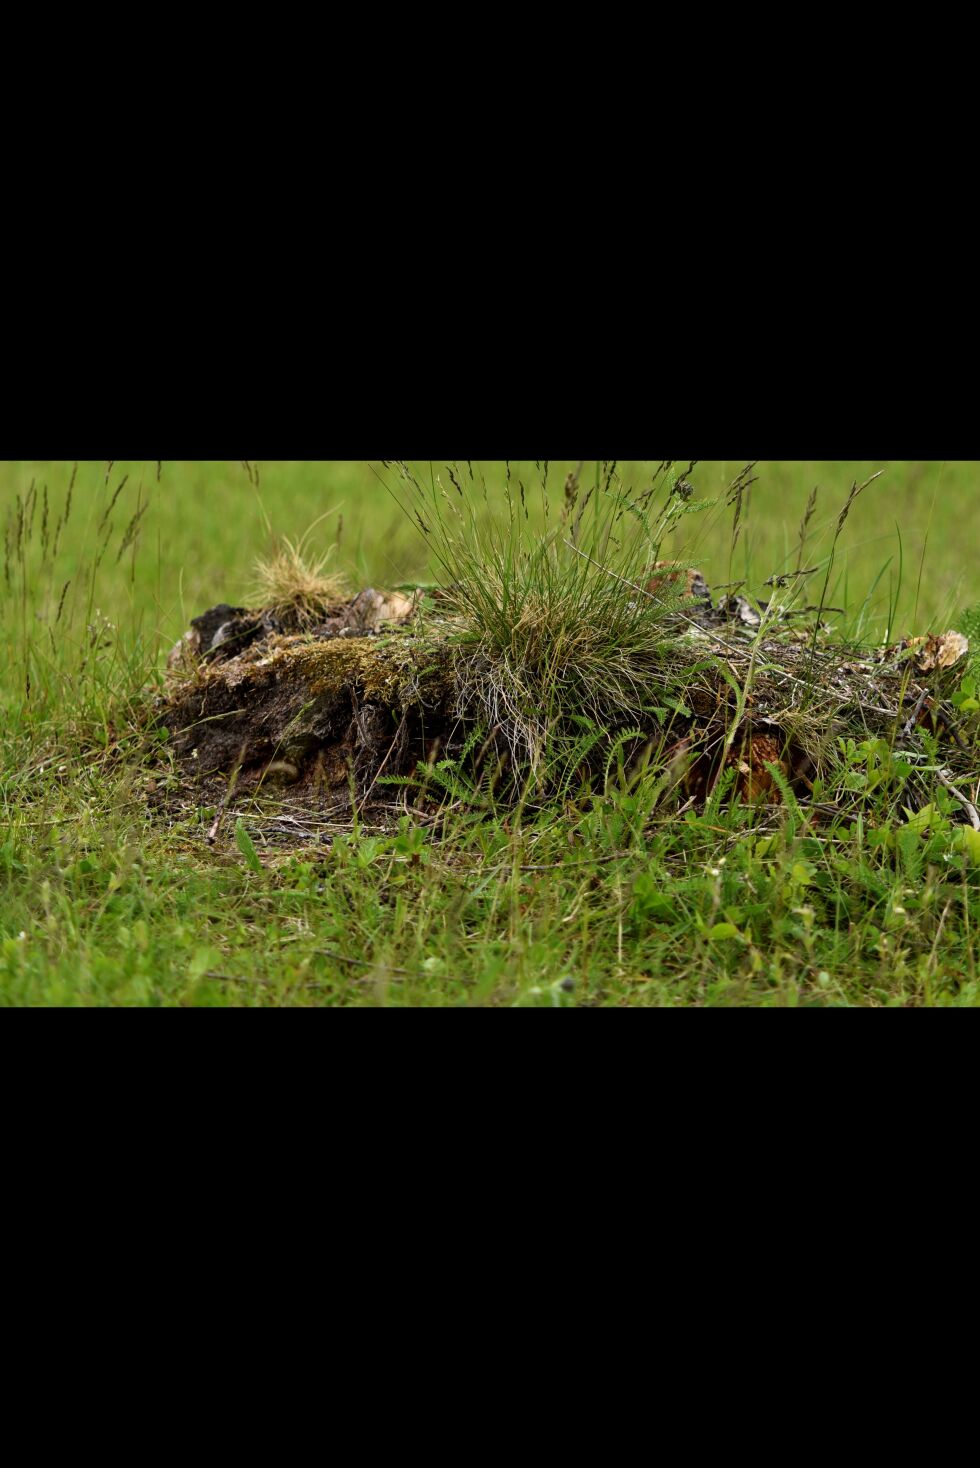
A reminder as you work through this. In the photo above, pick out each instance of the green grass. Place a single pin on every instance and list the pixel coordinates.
(608, 900)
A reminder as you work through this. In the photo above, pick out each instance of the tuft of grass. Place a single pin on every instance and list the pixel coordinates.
(557, 628)
(289, 578)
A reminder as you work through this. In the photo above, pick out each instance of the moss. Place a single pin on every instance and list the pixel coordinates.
(327, 667)
(395, 671)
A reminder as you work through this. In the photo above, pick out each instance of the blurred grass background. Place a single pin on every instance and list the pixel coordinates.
(205, 522)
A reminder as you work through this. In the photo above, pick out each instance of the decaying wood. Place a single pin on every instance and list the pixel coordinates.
(329, 707)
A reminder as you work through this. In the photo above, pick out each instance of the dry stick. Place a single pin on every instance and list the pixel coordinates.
(405, 973)
(951, 729)
(476, 870)
(943, 777)
(642, 591)
(560, 866)
(737, 647)
(938, 713)
(261, 979)
(212, 835)
(910, 723)
(380, 769)
(728, 646)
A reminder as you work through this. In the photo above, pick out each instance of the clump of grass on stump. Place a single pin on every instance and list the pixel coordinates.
(555, 624)
(289, 580)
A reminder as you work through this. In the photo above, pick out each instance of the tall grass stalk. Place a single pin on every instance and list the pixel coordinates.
(855, 491)
(547, 631)
(76, 668)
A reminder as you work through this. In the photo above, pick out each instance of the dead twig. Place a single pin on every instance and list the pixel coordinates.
(911, 722)
(212, 835)
(944, 779)
(397, 743)
(404, 973)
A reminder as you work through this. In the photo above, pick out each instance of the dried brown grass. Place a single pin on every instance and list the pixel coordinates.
(290, 578)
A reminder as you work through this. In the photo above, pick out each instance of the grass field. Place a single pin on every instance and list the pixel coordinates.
(601, 901)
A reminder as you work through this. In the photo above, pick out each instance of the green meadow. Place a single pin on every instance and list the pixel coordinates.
(606, 899)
